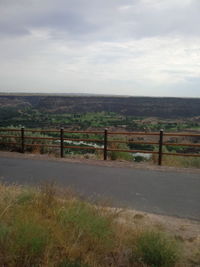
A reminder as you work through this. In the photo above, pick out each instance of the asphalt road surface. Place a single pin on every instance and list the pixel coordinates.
(162, 192)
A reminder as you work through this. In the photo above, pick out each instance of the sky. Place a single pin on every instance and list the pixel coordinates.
(115, 47)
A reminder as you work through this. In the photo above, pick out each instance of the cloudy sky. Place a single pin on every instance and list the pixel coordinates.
(126, 47)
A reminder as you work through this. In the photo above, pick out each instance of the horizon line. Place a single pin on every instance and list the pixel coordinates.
(88, 94)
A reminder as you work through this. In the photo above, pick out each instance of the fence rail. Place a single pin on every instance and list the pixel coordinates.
(61, 138)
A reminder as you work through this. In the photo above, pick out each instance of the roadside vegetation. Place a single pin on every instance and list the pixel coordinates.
(49, 227)
(184, 162)
(15, 141)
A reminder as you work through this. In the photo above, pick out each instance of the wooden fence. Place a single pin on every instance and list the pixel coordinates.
(106, 141)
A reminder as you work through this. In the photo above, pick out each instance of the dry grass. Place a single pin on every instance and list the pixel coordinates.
(185, 162)
(49, 227)
(178, 161)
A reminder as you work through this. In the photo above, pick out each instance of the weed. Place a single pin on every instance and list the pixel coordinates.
(87, 220)
(186, 162)
(47, 196)
(156, 250)
(4, 234)
(115, 155)
(25, 197)
(4, 243)
(41, 228)
(30, 240)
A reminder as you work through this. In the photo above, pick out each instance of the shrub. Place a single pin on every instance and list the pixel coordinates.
(138, 158)
(26, 196)
(85, 219)
(30, 240)
(114, 155)
(156, 250)
(4, 235)
(16, 139)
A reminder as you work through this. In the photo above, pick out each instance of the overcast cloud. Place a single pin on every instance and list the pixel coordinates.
(138, 47)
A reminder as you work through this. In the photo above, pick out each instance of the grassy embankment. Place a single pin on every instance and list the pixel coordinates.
(41, 227)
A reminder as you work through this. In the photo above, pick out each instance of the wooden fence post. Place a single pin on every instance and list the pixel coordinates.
(105, 143)
(160, 148)
(62, 142)
(22, 139)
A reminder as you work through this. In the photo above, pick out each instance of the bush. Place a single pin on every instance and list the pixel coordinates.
(4, 233)
(30, 240)
(139, 158)
(156, 250)
(115, 155)
(83, 219)
(25, 197)
(16, 139)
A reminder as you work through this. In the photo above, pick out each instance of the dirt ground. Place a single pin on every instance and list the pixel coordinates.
(186, 232)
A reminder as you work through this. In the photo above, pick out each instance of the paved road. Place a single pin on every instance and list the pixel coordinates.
(169, 193)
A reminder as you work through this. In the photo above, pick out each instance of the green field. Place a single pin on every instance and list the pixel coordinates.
(31, 118)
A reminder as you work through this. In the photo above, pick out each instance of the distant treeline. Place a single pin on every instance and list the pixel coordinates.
(165, 107)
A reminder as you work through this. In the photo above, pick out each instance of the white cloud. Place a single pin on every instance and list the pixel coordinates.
(140, 47)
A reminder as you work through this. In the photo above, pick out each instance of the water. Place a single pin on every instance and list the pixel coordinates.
(147, 156)
(82, 143)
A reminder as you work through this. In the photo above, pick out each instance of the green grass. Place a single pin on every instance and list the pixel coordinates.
(30, 241)
(184, 162)
(46, 227)
(156, 250)
(86, 219)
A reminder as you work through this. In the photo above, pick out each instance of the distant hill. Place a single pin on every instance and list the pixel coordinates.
(162, 107)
